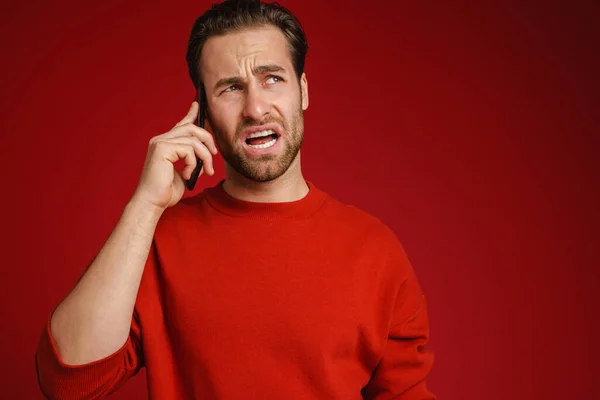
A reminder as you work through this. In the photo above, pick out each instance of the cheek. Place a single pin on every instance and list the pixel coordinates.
(223, 120)
(289, 105)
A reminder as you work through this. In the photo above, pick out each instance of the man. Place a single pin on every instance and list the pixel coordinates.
(261, 287)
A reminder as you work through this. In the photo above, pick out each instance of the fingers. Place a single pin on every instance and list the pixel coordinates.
(200, 151)
(191, 115)
(187, 127)
(186, 141)
(192, 130)
(173, 152)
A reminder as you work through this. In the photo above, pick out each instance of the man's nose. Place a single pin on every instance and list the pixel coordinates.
(256, 105)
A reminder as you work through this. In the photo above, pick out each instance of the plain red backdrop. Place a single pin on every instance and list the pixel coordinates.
(470, 130)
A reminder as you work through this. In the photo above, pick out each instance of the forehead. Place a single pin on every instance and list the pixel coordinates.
(228, 54)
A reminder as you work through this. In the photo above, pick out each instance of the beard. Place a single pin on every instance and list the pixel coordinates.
(268, 166)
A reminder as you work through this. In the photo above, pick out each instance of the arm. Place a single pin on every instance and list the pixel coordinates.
(94, 320)
(60, 381)
(405, 364)
(91, 344)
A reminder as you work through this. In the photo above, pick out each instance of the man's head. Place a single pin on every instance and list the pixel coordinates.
(249, 56)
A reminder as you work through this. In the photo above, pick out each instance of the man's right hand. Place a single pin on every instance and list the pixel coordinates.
(161, 185)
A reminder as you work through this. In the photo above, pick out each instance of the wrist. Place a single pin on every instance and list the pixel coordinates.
(138, 205)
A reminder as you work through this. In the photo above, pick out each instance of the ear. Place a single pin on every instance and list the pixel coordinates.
(304, 91)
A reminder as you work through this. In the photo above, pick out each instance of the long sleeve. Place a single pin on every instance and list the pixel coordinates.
(94, 380)
(403, 368)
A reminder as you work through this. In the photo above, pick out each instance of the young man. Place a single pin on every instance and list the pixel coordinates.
(262, 287)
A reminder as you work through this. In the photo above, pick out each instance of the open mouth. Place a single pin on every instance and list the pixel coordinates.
(262, 140)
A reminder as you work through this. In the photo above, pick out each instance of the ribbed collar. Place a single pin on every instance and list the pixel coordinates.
(223, 202)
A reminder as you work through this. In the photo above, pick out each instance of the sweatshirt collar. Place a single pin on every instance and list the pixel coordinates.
(224, 203)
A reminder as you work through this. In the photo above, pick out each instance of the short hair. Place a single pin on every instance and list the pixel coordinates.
(232, 16)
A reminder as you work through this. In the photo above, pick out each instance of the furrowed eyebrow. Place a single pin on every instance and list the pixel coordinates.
(261, 69)
(228, 81)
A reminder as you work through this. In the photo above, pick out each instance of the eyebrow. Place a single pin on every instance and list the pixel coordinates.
(260, 70)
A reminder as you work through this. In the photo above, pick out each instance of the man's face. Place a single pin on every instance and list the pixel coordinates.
(255, 101)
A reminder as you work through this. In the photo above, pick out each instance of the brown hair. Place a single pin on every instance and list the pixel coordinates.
(235, 15)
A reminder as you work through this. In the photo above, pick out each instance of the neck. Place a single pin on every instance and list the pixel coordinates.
(290, 186)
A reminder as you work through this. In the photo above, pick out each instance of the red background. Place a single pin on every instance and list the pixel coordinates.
(470, 130)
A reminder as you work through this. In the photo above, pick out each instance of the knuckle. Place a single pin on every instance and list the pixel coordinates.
(160, 145)
(197, 141)
(197, 130)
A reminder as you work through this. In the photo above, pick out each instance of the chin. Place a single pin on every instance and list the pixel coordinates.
(262, 173)
(266, 167)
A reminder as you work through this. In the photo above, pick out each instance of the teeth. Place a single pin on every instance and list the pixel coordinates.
(261, 134)
(264, 145)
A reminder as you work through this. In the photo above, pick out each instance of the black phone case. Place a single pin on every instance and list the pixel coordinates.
(201, 97)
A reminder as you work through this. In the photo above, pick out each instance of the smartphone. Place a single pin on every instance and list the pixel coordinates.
(201, 98)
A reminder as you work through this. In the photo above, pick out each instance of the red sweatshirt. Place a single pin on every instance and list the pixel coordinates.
(309, 299)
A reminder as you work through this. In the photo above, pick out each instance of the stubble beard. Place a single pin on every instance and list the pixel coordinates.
(269, 166)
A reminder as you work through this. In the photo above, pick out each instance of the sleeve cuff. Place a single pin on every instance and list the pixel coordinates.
(60, 380)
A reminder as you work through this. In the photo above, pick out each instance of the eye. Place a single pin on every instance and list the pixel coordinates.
(231, 88)
(273, 79)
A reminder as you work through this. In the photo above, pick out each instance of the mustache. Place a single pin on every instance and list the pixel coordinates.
(249, 123)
